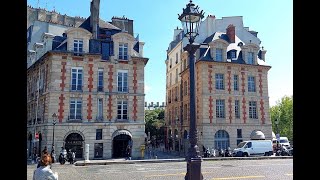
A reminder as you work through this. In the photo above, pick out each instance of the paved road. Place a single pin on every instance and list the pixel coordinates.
(266, 169)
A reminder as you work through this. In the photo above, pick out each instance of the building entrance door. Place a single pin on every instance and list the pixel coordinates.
(74, 141)
(120, 143)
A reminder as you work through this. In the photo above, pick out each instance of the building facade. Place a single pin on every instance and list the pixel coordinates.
(90, 81)
(232, 102)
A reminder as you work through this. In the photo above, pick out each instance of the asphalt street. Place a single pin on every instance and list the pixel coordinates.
(267, 169)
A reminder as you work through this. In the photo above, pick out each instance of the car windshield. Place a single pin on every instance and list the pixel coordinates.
(240, 145)
(283, 141)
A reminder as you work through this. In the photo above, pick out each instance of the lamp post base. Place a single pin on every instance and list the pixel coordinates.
(194, 169)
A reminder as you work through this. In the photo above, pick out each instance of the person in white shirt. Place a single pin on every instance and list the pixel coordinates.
(44, 170)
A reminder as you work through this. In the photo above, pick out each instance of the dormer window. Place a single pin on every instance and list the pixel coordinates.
(78, 46)
(219, 54)
(123, 51)
(250, 58)
(233, 54)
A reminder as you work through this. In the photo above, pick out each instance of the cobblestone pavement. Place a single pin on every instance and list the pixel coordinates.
(267, 169)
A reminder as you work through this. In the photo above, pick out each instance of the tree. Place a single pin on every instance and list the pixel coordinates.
(283, 112)
(154, 122)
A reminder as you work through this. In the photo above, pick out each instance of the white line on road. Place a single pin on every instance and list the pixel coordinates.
(240, 177)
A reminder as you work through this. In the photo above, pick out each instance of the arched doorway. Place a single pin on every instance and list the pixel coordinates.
(221, 140)
(121, 139)
(74, 141)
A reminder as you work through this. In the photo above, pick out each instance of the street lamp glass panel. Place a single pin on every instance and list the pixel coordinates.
(54, 116)
(190, 19)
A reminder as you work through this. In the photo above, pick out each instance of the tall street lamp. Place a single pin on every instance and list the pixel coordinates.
(190, 19)
(54, 116)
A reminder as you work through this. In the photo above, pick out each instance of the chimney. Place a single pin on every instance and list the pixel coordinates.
(94, 17)
(231, 33)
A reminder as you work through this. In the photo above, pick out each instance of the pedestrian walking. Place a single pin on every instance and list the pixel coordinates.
(44, 170)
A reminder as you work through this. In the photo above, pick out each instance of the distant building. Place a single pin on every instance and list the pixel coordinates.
(232, 102)
(152, 106)
(91, 75)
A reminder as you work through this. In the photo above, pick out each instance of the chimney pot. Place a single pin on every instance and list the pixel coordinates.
(231, 33)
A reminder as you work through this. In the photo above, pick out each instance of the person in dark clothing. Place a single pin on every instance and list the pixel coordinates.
(128, 152)
(45, 150)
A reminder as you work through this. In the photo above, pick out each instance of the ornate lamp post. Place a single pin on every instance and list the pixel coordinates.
(54, 116)
(190, 19)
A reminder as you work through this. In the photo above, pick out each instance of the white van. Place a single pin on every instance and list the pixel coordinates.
(254, 148)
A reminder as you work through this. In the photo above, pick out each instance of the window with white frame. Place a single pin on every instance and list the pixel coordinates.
(219, 81)
(251, 84)
(100, 109)
(78, 46)
(253, 110)
(170, 79)
(250, 57)
(76, 78)
(220, 110)
(75, 109)
(123, 51)
(122, 110)
(237, 108)
(219, 54)
(100, 79)
(122, 81)
(236, 82)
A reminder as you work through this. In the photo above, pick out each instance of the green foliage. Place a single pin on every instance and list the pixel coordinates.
(283, 111)
(154, 122)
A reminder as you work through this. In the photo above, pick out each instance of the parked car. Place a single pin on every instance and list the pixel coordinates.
(254, 148)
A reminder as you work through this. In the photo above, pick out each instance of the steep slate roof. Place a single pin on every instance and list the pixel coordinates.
(205, 51)
(205, 54)
(216, 35)
(57, 42)
(102, 24)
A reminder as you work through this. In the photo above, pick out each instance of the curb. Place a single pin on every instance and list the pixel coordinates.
(108, 162)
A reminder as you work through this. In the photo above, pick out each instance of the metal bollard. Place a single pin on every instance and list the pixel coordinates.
(87, 153)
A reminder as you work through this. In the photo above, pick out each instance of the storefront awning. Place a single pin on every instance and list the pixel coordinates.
(119, 132)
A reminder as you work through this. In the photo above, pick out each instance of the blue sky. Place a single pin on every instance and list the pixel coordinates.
(154, 21)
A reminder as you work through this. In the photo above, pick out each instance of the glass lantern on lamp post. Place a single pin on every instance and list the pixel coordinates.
(190, 19)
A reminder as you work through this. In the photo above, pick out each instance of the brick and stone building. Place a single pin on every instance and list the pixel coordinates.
(232, 102)
(92, 78)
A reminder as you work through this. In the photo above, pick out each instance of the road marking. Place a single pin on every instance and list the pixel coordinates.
(160, 175)
(177, 174)
(289, 174)
(240, 177)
